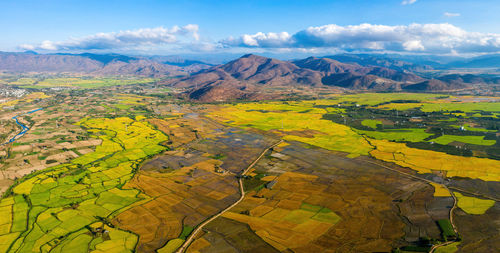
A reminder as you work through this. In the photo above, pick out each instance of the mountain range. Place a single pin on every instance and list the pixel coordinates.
(253, 76)
(98, 64)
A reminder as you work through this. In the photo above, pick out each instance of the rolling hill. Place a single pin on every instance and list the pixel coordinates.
(251, 76)
(94, 64)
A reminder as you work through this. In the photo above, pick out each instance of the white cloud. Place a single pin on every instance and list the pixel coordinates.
(431, 38)
(451, 14)
(123, 39)
(260, 40)
(413, 45)
(414, 38)
(406, 2)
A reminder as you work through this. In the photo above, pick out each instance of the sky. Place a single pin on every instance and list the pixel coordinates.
(447, 27)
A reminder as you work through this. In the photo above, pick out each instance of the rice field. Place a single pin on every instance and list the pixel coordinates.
(296, 121)
(56, 209)
(77, 82)
(426, 161)
(371, 123)
(404, 134)
(476, 140)
(472, 205)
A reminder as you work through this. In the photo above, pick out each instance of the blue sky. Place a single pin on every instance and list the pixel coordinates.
(229, 26)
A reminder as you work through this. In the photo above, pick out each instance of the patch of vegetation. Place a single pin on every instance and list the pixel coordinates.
(372, 123)
(476, 140)
(186, 231)
(446, 228)
(472, 205)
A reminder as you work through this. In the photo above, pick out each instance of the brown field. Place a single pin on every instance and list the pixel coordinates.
(184, 197)
(185, 185)
(286, 216)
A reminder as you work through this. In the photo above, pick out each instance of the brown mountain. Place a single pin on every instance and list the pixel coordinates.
(381, 61)
(326, 65)
(330, 66)
(138, 68)
(360, 82)
(247, 78)
(434, 85)
(26, 62)
(392, 74)
(469, 79)
(244, 78)
(263, 70)
(90, 64)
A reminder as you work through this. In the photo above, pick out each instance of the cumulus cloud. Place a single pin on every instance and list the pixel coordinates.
(451, 14)
(269, 40)
(432, 38)
(406, 2)
(123, 39)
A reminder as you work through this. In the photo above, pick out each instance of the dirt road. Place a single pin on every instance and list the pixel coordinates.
(193, 234)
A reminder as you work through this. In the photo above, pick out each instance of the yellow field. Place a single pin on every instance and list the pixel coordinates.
(286, 221)
(171, 246)
(425, 161)
(450, 248)
(55, 209)
(26, 99)
(473, 205)
(440, 190)
(297, 121)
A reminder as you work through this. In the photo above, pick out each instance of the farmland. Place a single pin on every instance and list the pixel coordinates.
(74, 82)
(127, 168)
(417, 137)
(64, 200)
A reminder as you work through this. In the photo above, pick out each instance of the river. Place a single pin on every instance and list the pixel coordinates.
(24, 128)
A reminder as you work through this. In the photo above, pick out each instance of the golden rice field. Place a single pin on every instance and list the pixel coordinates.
(286, 220)
(56, 209)
(440, 190)
(296, 121)
(302, 121)
(425, 161)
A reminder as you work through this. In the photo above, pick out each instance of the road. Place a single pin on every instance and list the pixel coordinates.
(193, 234)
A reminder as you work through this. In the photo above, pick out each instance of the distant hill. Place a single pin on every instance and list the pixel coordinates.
(251, 76)
(94, 64)
(381, 61)
(29, 62)
(244, 78)
(327, 65)
(486, 61)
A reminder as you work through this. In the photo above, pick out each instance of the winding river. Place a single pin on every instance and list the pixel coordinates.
(24, 128)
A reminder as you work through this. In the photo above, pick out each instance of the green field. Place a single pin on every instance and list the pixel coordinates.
(476, 140)
(371, 123)
(77, 82)
(464, 107)
(55, 208)
(410, 134)
(472, 205)
(450, 248)
(446, 228)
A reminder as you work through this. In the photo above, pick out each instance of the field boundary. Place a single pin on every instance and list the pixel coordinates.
(193, 234)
